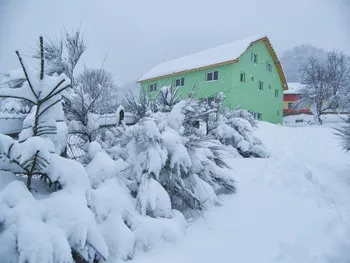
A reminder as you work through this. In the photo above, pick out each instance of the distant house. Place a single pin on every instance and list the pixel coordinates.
(290, 96)
(247, 71)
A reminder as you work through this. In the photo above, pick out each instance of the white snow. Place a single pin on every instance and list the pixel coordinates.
(203, 58)
(302, 119)
(291, 207)
(293, 88)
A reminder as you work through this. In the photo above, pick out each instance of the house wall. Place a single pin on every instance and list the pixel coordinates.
(291, 98)
(195, 80)
(245, 95)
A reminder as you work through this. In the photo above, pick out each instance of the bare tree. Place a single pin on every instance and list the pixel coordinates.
(338, 75)
(95, 94)
(326, 84)
(99, 85)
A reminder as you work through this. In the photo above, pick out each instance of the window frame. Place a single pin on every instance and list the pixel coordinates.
(268, 66)
(153, 87)
(277, 93)
(213, 74)
(181, 82)
(261, 85)
(240, 77)
(254, 58)
(256, 115)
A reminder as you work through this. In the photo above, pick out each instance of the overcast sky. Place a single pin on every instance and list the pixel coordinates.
(137, 34)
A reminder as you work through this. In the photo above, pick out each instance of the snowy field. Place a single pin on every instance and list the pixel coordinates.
(292, 207)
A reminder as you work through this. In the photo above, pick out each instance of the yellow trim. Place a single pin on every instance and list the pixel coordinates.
(276, 61)
(190, 70)
(269, 48)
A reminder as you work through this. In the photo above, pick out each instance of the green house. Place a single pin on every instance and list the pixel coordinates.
(247, 71)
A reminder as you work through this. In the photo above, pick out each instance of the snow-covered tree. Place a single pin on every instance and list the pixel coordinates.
(139, 106)
(36, 155)
(91, 214)
(236, 129)
(45, 120)
(326, 84)
(167, 97)
(62, 55)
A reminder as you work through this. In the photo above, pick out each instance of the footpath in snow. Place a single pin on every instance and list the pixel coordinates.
(292, 207)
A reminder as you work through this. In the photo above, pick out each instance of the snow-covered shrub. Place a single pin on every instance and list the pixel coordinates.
(61, 222)
(236, 128)
(171, 164)
(139, 107)
(93, 215)
(167, 97)
(344, 134)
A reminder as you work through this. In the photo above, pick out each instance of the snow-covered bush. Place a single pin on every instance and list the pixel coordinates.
(170, 163)
(91, 213)
(167, 97)
(344, 134)
(236, 129)
(139, 107)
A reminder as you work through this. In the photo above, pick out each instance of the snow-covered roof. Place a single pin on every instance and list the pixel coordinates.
(211, 56)
(293, 88)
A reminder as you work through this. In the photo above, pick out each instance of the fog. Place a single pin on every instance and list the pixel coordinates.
(136, 35)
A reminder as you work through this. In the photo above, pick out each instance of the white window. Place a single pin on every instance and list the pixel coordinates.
(242, 77)
(268, 66)
(277, 93)
(261, 85)
(212, 76)
(180, 82)
(254, 58)
(153, 87)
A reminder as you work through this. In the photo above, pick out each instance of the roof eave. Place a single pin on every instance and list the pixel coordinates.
(189, 70)
(277, 62)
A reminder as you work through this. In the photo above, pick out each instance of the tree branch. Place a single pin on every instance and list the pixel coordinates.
(25, 73)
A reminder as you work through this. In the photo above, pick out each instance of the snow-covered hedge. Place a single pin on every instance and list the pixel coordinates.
(131, 188)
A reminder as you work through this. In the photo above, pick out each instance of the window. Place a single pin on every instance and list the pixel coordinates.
(290, 106)
(212, 76)
(242, 77)
(261, 85)
(278, 113)
(256, 115)
(254, 58)
(268, 66)
(277, 93)
(180, 82)
(269, 86)
(210, 100)
(153, 87)
(252, 78)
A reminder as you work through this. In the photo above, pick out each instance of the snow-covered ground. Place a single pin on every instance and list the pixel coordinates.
(302, 119)
(292, 207)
